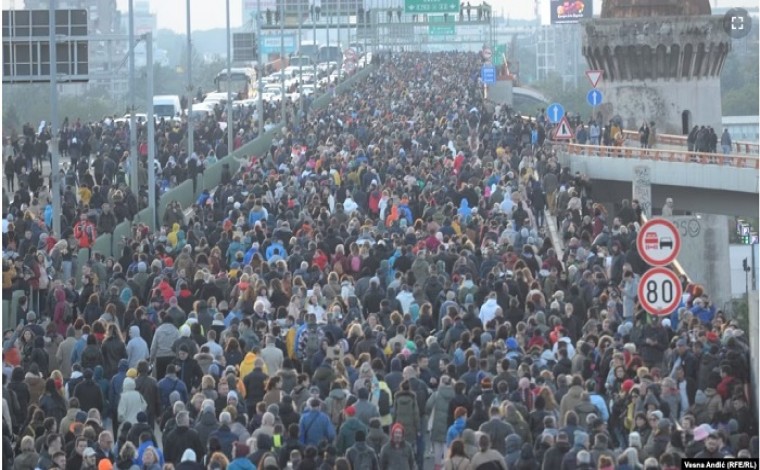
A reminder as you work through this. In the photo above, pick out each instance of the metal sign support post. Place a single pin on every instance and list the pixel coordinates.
(260, 71)
(151, 123)
(282, 61)
(230, 130)
(55, 175)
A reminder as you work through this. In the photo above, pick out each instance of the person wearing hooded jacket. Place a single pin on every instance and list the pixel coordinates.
(513, 445)
(487, 456)
(161, 348)
(554, 456)
(571, 399)
(437, 406)
(347, 434)
(406, 412)
(397, 454)
(137, 348)
(131, 402)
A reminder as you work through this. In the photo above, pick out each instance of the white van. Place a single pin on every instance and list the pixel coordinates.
(167, 106)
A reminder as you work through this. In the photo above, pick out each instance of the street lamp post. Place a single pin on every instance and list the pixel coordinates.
(55, 174)
(230, 130)
(282, 60)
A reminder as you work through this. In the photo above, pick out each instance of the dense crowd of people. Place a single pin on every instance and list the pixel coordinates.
(95, 168)
(378, 291)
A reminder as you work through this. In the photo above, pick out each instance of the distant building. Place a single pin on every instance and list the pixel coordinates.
(742, 128)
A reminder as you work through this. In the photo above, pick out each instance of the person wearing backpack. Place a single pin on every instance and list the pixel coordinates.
(360, 455)
(335, 403)
(311, 338)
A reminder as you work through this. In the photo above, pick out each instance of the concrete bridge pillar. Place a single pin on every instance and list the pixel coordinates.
(642, 188)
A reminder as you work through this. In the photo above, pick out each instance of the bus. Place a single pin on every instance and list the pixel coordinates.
(242, 82)
(309, 49)
(330, 54)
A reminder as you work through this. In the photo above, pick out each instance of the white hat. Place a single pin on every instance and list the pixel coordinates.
(189, 454)
(666, 322)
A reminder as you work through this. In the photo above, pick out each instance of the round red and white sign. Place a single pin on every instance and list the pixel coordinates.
(658, 242)
(660, 291)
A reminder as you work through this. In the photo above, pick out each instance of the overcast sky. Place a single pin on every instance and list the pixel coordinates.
(208, 14)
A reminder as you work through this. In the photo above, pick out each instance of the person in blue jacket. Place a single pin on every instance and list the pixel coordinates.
(458, 426)
(315, 426)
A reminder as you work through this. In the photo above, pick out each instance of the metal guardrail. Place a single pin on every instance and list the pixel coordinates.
(676, 156)
(751, 148)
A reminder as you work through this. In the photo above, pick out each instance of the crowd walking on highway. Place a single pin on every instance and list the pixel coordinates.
(379, 290)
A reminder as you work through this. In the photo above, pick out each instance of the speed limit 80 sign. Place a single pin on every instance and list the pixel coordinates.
(660, 291)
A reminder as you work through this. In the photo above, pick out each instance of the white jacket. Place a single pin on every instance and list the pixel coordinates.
(488, 311)
(131, 402)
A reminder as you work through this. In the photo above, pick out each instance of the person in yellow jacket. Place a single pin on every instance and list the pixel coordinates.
(171, 237)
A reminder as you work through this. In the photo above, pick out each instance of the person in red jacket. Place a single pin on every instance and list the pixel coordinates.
(727, 382)
(84, 232)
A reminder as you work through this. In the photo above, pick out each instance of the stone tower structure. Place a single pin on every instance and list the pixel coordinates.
(661, 60)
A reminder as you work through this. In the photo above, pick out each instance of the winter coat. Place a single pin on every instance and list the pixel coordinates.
(397, 457)
(491, 457)
(113, 350)
(553, 457)
(315, 427)
(365, 411)
(406, 412)
(455, 430)
(131, 402)
(377, 438)
(571, 399)
(205, 425)
(497, 430)
(181, 438)
(137, 348)
(438, 407)
(347, 434)
(512, 445)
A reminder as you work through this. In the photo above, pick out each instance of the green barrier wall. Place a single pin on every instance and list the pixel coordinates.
(182, 193)
(83, 255)
(103, 245)
(145, 217)
(119, 232)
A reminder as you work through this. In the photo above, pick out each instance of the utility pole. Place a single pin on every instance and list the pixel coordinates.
(190, 133)
(151, 123)
(282, 59)
(134, 158)
(230, 130)
(300, 64)
(55, 173)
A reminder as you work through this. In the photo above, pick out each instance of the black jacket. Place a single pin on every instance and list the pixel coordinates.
(89, 395)
(178, 440)
(113, 350)
(254, 385)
